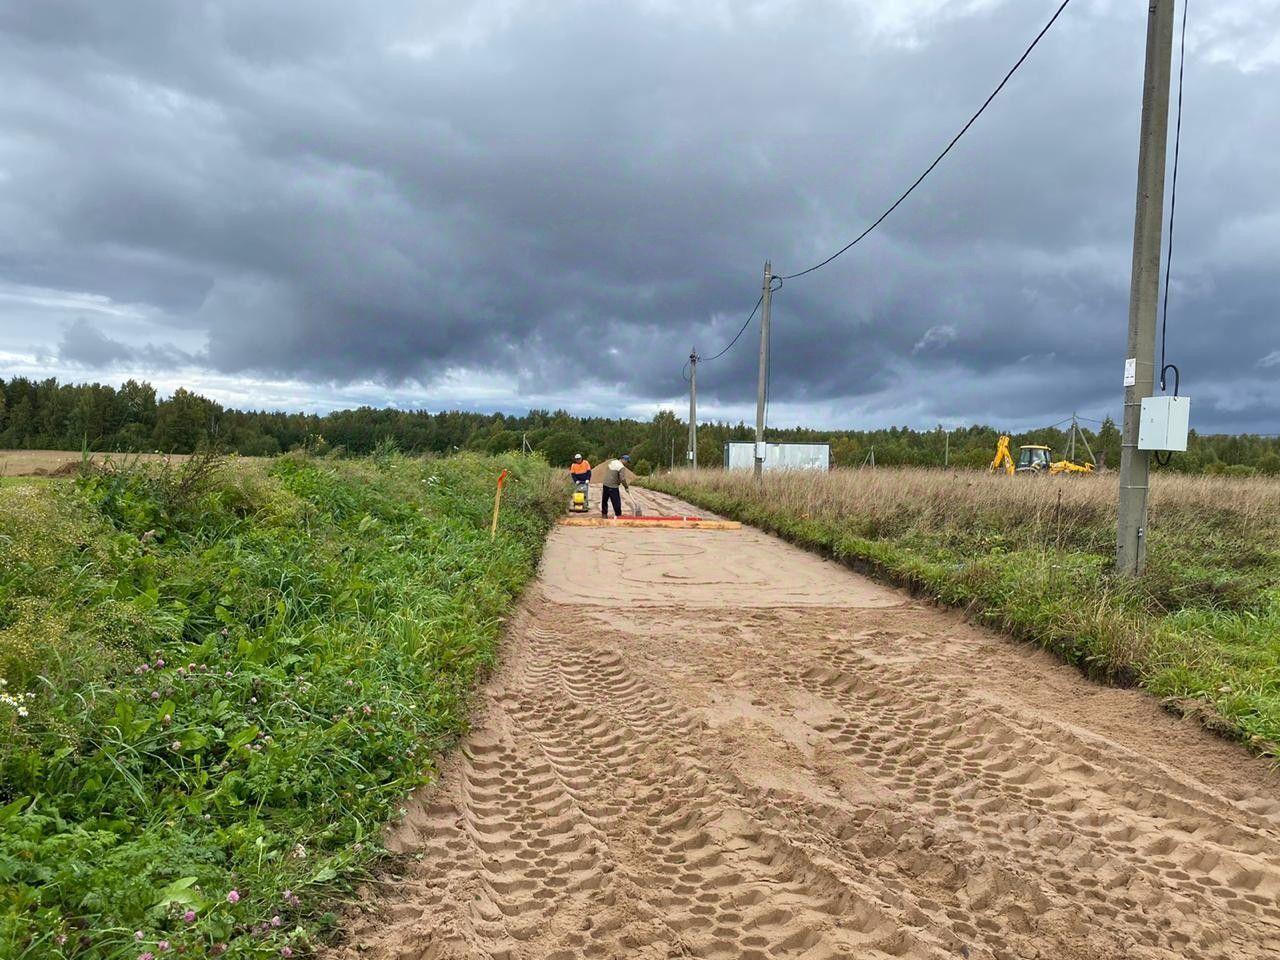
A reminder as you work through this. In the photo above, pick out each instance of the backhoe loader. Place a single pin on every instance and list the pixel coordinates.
(1034, 458)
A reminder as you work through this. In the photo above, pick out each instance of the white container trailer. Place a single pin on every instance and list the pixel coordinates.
(741, 455)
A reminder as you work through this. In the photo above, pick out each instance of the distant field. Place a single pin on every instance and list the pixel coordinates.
(1033, 556)
(35, 463)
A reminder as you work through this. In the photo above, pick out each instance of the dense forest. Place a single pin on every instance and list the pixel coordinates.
(131, 418)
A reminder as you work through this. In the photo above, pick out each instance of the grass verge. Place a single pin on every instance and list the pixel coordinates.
(1032, 557)
(221, 680)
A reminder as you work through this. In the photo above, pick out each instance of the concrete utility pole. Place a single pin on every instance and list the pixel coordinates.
(763, 385)
(1144, 290)
(693, 409)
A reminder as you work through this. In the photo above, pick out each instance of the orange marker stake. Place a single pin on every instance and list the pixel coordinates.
(497, 502)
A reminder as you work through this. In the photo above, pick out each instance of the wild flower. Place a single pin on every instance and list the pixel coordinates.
(155, 694)
(276, 921)
(162, 946)
(147, 955)
(233, 896)
(367, 709)
(190, 915)
(139, 935)
(175, 746)
(286, 952)
(60, 939)
(14, 703)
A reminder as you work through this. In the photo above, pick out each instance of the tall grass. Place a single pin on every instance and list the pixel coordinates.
(225, 677)
(1033, 556)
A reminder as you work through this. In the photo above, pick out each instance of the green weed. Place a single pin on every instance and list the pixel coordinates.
(230, 675)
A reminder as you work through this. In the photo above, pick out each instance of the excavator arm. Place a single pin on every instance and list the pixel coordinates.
(1003, 458)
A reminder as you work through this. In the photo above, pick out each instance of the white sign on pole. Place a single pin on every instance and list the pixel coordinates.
(1130, 372)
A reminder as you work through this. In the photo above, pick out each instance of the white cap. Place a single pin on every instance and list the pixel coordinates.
(577, 456)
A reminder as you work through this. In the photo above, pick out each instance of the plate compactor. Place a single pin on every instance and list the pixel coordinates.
(581, 499)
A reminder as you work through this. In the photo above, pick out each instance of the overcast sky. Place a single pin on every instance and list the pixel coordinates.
(500, 204)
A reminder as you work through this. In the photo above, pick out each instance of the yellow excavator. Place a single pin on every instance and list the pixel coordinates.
(1034, 458)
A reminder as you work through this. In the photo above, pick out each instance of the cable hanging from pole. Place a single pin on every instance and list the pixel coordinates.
(1163, 459)
(1173, 208)
(741, 330)
(937, 160)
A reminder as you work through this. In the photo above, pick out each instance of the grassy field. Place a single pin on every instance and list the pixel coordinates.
(1032, 556)
(220, 680)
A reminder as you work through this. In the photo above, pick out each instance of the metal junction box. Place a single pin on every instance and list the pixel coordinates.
(1164, 423)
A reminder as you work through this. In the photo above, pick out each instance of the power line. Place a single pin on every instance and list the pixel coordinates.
(1173, 203)
(954, 140)
(742, 329)
(737, 335)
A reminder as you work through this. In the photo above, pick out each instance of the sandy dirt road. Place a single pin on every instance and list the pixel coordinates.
(711, 744)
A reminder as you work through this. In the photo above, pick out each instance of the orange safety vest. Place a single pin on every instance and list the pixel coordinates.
(577, 468)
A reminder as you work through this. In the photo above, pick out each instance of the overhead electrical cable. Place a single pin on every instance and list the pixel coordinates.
(737, 335)
(1173, 207)
(1163, 458)
(937, 160)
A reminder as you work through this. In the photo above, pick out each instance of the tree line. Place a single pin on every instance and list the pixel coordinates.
(131, 418)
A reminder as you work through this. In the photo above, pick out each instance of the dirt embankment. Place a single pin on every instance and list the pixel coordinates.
(64, 463)
(710, 744)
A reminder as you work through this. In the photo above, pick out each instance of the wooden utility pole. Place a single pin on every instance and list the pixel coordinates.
(1144, 289)
(763, 385)
(693, 409)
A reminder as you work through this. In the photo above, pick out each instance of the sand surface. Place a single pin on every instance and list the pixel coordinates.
(711, 744)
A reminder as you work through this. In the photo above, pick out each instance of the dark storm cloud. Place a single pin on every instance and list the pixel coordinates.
(559, 193)
(84, 344)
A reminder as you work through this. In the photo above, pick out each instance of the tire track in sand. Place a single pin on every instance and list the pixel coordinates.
(714, 745)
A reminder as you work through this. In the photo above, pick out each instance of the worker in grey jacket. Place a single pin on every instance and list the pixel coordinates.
(614, 476)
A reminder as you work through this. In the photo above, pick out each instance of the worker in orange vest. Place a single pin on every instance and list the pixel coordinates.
(580, 469)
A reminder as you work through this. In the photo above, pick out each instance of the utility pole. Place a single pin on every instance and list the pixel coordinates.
(763, 385)
(1144, 289)
(693, 409)
(946, 450)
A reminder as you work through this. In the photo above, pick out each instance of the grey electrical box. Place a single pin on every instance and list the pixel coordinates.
(1164, 423)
